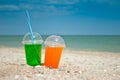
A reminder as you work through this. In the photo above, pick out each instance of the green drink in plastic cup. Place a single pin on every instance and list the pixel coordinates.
(33, 54)
(33, 49)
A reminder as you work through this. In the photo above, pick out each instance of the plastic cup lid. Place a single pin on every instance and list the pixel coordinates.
(37, 38)
(55, 41)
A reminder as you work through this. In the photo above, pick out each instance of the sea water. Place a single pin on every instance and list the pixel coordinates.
(93, 43)
(76, 42)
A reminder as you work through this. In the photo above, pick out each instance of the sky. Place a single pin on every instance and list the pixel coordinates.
(60, 17)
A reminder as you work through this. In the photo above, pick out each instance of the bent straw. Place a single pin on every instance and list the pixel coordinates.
(28, 21)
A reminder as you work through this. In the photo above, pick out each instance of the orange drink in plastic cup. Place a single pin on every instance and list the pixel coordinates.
(53, 50)
(51, 59)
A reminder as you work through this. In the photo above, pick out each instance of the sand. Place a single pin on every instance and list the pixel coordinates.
(74, 65)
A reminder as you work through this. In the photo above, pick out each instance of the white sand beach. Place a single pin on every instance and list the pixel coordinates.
(74, 65)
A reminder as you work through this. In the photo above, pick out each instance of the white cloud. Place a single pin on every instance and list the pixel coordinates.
(53, 10)
(44, 8)
(110, 2)
(9, 7)
(62, 1)
(49, 6)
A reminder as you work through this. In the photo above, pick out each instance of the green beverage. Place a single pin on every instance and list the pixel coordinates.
(33, 54)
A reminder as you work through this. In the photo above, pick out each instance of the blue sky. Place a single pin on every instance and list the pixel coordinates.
(61, 17)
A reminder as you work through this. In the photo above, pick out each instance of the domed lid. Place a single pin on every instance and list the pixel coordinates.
(36, 36)
(55, 41)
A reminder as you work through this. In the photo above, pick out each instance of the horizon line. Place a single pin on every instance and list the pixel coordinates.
(65, 35)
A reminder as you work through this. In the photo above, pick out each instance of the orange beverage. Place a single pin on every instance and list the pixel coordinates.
(52, 56)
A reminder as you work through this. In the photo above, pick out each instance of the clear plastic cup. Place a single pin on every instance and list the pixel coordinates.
(33, 49)
(53, 49)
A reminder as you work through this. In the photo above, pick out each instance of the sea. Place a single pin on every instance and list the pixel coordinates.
(98, 43)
